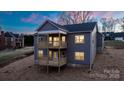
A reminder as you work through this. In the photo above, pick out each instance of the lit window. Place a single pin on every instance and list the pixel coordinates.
(63, 38)
(40, 54)
(55, 55)
(79, 55)
(79, 39)
(50, 54)
(50, 39)
(56, 41)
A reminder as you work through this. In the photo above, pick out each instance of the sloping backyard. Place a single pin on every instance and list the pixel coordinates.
(10, 55)
(108, 66)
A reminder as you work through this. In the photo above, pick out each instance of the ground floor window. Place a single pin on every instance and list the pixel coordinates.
(40, 54)
(79, 55)
(50, 54)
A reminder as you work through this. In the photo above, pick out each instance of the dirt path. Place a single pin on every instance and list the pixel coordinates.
(107, 66)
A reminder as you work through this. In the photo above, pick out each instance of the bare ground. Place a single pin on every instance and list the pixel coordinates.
(107, 66)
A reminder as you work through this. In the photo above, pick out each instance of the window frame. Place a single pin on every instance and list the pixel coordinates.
(78, 56)
(78, 39)
(63, 39)
(56, 41)
(50, 54)
(40, 55)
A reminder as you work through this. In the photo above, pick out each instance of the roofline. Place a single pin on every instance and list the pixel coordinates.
(80, 32)
(52, 24)
(56, 26)
(79, 23)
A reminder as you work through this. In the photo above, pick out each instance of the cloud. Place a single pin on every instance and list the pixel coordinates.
(33, 18)
(102, 14)
(36, 18)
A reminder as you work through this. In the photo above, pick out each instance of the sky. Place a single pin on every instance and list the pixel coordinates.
(29, 21)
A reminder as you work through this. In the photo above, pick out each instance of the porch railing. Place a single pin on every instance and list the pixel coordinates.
(52, 44)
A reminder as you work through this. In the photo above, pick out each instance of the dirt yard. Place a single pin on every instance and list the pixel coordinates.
(107, 66)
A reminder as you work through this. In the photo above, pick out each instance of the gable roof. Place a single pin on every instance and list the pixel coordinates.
(10, 34)
(87, 27)
(52, 23)
(7, 34)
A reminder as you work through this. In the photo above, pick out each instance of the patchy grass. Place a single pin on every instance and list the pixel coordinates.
(115, 44)
(9, 55)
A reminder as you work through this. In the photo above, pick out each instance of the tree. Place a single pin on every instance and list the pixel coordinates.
(108, 24)
(122, 23)
(75, 17)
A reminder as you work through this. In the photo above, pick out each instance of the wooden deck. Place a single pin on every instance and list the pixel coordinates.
(53, 62)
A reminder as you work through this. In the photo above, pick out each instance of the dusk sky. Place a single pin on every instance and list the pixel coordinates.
(27, 22)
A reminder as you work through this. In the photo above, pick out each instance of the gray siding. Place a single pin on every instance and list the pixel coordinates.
(48, 26)
(93, 45)
(100, 42)
(72, 48)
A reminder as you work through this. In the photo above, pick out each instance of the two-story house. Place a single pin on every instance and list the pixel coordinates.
(58, 45)
(14, 40)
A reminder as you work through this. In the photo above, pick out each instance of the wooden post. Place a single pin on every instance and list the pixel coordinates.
(59, 55)
(48, 53)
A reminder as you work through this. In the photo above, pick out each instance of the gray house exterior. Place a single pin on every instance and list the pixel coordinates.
(71, 44)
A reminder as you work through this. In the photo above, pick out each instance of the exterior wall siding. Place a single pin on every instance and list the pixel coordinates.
(48, 26)
(72, 48)
(100, 43)
(93, 45)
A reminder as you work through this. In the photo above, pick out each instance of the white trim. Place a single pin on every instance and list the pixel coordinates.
(52, 32)
(80, 32)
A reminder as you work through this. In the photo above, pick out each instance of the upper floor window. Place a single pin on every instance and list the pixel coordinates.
(50, 39)
(56, 41)
(63, 38)
(79, 38)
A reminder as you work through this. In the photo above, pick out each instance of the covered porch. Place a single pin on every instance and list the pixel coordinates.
(54, 42)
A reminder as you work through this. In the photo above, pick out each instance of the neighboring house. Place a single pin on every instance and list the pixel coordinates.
(109, 35)
(57, 45)
(14, 40)
(119, 36)
(2, 40)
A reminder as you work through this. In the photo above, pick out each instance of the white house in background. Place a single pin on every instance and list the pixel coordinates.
(119, 36)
